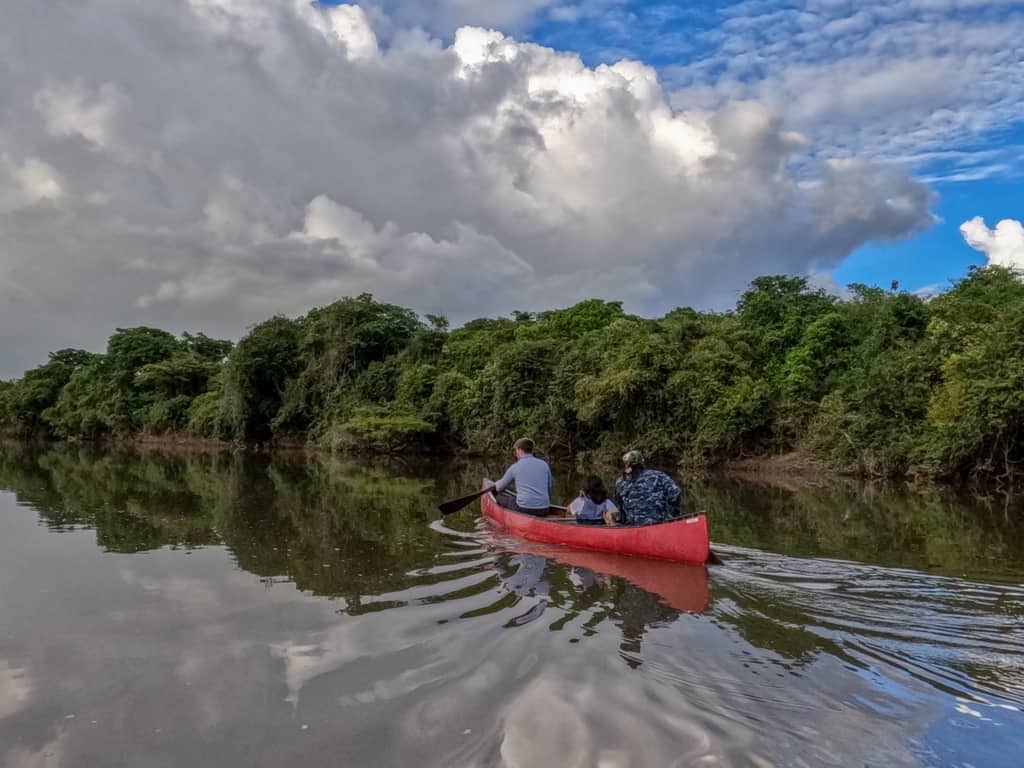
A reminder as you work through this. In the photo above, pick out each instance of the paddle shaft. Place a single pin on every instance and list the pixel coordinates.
(454, 505)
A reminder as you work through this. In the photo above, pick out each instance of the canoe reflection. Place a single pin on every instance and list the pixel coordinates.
(632, 593)
(681, 587)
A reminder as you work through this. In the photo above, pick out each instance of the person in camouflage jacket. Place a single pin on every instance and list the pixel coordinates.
(646, 496)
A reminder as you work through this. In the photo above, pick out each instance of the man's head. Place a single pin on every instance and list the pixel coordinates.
(632, 462)
(523, 447)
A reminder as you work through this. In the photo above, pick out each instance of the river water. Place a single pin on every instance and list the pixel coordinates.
(210, 609)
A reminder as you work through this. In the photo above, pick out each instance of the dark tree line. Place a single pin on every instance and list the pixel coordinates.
(880, 382)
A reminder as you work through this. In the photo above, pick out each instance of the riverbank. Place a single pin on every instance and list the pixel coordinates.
(878, 384)
(790, 470)
(789, 463)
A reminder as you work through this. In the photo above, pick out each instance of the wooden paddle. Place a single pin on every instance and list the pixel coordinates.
(454, 505)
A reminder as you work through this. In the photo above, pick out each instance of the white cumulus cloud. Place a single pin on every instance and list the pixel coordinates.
(1002, 246)
(204, 164)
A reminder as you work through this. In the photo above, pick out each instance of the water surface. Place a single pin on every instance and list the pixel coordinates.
(230, 610)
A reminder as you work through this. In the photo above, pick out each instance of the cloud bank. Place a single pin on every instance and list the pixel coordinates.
(206, 163)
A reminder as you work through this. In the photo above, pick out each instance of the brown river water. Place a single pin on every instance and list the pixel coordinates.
(211, 609)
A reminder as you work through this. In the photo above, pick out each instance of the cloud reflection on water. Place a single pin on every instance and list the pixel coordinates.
(448, 644)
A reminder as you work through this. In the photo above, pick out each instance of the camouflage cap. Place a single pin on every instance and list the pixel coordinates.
(632, 458)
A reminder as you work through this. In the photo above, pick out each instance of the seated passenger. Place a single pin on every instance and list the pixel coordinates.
(592, 506)
(644, 495)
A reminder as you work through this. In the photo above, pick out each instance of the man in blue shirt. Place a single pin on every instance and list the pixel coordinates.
(644, 495)
(532, 478)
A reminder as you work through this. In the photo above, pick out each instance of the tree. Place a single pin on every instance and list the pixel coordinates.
(6, 415)
(813, 366)
(975, 421)
(777, 309)
(256, 376)
(880, 381)
(26, 400)
(129, 349)
(106, 395)
(210, 350)
(90, 404)
(335, 344)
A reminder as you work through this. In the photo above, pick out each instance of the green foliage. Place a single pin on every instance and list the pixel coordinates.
(128, 350)
(256, 376)
(883, 369)
(812, 366)
(587, 316)
(109, 395)
(976, 415)
(874, 420)
(880, 382)
(167, 414)
(620, 390)
(205, 348)
(380, 430)
(6, 391)
(206, 416)
(336, 344)
(777, 309)
(185, 373)
(145, 382)
(24, 402)
(964, 314)
(89, 405)
(737, 422)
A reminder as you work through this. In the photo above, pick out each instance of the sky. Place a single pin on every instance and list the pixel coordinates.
(204, 164)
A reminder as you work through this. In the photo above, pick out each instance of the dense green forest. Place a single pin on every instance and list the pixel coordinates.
(880, 382)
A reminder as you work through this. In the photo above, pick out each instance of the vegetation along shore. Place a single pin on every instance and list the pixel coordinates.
(881, 383)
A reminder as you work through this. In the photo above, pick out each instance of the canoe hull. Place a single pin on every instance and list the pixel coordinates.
(682, 541)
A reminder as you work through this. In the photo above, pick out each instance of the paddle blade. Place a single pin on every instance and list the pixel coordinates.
(454, 505)
(713, 559)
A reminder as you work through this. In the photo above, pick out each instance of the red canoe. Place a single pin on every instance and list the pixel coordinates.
(682, 541)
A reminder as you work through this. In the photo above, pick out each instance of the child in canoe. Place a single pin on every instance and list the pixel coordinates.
(592, 506)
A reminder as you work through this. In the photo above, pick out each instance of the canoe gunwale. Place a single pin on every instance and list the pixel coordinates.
(555, 520)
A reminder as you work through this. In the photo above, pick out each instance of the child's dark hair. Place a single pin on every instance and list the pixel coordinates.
(595, 490)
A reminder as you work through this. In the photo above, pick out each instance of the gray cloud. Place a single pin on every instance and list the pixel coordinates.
(205, 164)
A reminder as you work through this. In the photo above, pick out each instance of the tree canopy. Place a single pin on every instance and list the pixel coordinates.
(882, 382)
